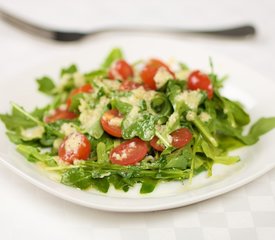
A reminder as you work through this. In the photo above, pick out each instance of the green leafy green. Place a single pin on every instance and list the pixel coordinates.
(102, 156)
(114, 55)
(259, 128)
(34, 155)
(90, 76)
(180, 158)
(69, 70)
(17, 120)
(46, 85)
(148, 185)
(217, 126)
(143, 127)
(77, 177)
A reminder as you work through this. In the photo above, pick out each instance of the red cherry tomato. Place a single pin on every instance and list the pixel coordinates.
(74, 147)
(87, 88)
(155, 145)
(121, 70)
(180, 138)
(129, 152)
(150, 70)
(110, 122)
(199, 80)
(128, 85)
(60, 115)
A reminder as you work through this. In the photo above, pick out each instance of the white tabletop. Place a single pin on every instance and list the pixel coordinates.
(27, 212)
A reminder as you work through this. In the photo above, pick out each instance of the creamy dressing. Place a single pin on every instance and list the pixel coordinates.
(190, 98)
(33, 133)
(162, 76)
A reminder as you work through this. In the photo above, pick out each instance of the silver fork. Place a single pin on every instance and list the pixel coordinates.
(240, 31)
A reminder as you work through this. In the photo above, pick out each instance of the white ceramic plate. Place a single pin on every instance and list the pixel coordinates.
(244, 85)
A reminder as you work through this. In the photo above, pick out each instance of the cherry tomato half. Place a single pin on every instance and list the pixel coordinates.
(74, 147)
(155, 145)
(129, 152)
(150, 70)
(87, 88)
(180, 138)
(121, 70)
(60, 115)
(128, 85)
(199, 80)
(111, 121)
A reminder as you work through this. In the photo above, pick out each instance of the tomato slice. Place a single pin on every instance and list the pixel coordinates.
(121, 70)
(129, 152)
(180, 138)
(111, 122)
(60, 115)
(87, 88)
(149, 71)
(128, 85)
(74, 147)
(155, 145)
(199, 80)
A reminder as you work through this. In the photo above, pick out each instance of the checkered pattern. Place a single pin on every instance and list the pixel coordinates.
(246, 213)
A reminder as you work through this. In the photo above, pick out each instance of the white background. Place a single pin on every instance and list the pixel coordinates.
(27, 212)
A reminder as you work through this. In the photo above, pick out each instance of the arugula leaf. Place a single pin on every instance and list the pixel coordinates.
(143, 127)
(240, 116)
(77, 177)
(121, 183)
(148, 185)
(69, 70)
(75, 102)
(46, 85)
(101, 184)
(17, 120)
(100, 73)
(102, 156)
(90, 117)
(122, 107)
(228, 143)
(205, 131)
(33, 155)
(39, 113)
(179, 159)
(262, 126)
(216, 155)
(161, 104)
(259, 128)
(114, 55)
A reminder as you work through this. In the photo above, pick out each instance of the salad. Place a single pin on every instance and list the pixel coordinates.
(146, 122)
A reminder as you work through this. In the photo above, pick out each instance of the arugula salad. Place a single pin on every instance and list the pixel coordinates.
(146, 122)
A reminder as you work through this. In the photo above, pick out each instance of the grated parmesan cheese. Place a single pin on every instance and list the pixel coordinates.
(190, 116)
(204, 117)
(73, 142)
(132, 145)
(79, 79)
(161, 77)
(115, 121)
(67, 129)
(190, 98)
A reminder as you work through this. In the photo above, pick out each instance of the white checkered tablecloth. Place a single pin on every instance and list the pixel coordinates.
(27, 212)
